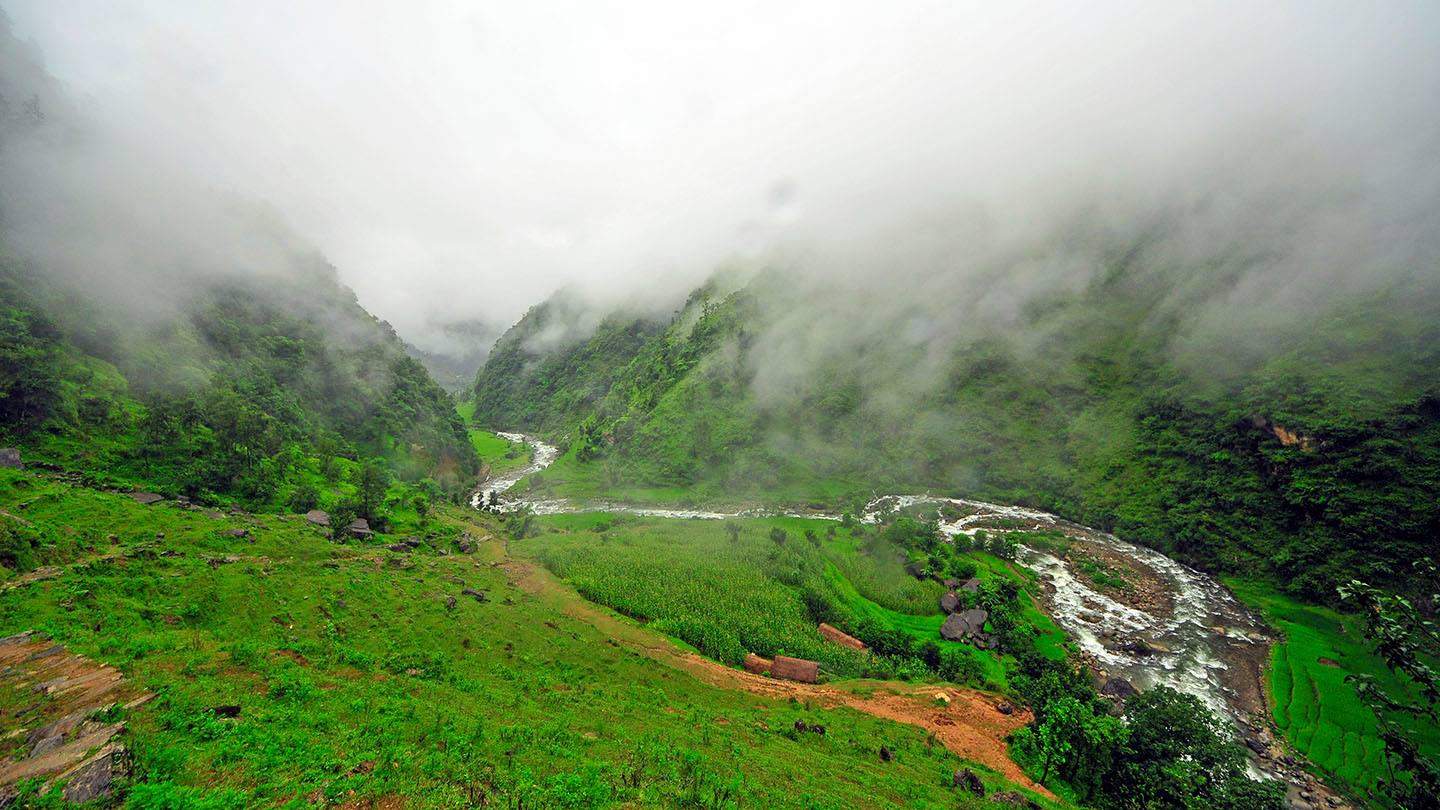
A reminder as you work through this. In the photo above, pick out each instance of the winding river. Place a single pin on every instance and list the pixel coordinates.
(1202, 641)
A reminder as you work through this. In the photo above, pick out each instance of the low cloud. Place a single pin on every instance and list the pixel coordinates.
(941, 166)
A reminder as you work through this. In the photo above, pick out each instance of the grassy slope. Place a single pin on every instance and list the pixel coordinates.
(352, 675)
(1317, 711)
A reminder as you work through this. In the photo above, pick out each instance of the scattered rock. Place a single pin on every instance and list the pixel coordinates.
(1138, 647)
(235, 533)
(972, 585)
(1013, 798)
(401, 547)
(1327, 662)
(962, 626)
(360, 529)
(478, 596)
(942, 698)
(967, 779)
(10, 458)
(950, 602)
(1004, 708)
(226, 711)
(95, 778)
(318, 517)
(885, 755)
(146, 498)
(450, 603)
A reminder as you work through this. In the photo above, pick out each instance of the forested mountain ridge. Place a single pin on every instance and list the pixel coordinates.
(1312, 454)
(227, 398)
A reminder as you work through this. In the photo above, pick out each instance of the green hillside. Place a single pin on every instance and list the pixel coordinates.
(1312, 456)
(266, 394)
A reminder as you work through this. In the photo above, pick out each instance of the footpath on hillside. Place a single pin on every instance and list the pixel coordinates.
(968, 722)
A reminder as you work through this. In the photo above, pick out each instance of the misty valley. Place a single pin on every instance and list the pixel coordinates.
(451, 405)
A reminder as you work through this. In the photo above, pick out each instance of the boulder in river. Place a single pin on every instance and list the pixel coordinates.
(1119, 688)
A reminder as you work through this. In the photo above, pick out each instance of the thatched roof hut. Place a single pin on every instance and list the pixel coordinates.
(795, 669)
(835, 634)
(756, 665)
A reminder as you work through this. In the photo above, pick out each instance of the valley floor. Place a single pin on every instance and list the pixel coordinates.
(291, 671)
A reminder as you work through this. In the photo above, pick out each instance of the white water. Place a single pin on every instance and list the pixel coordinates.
(1188, 644)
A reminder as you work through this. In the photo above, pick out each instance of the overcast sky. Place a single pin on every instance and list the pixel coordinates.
(459, 160)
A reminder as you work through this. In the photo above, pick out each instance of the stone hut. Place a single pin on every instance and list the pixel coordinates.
(795, 669)
(839, 636)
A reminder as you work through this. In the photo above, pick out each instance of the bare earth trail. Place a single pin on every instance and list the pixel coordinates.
(971, 725)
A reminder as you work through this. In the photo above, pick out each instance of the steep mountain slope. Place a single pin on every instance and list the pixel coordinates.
(1309, 449)
(226, 397)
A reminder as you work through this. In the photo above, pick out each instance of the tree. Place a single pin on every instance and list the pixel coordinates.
(340, 519)
(372, 485)
(1408, 643)
(1179, 754)
(1055, 736)
(304, 498)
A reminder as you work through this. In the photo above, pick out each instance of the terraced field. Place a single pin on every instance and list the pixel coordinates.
(751, 592)
(1318, 712)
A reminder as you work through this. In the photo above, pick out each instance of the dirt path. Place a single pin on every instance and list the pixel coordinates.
(971, 725)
